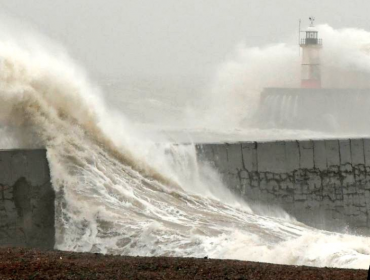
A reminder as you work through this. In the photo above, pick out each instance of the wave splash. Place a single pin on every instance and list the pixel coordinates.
(118, 193)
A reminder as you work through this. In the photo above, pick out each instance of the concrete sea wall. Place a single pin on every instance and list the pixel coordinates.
(317, 109)
(324, 183)
(26, 199)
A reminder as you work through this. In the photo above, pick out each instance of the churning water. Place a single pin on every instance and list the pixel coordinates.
(120, 193)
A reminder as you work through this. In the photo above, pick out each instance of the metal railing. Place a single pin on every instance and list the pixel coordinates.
(311, 41)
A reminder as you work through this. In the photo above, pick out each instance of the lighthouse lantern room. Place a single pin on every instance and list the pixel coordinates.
(311, 46)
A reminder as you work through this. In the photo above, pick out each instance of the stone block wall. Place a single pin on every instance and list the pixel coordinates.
(26, 200)
(323, 183)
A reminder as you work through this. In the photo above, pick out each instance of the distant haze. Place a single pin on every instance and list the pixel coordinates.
(182, 40)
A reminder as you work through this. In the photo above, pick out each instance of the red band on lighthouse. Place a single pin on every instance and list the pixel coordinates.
(311, 84)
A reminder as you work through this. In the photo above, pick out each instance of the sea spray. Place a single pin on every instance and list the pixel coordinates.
(233, 97)
(117, 193)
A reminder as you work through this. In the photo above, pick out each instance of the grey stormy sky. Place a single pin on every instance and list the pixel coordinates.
(173, 39)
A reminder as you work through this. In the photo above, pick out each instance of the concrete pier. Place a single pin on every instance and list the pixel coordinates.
(323, 183)
(316, 109)
(26, 200)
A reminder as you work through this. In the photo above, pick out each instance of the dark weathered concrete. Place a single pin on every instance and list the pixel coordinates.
(26, 199)
(324, 183)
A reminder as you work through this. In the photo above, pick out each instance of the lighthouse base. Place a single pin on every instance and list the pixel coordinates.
(344, 110)
(312, 84)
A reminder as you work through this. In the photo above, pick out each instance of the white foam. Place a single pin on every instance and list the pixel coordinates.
(119, 193)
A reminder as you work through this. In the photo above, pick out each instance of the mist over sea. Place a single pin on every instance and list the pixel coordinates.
(124, 183)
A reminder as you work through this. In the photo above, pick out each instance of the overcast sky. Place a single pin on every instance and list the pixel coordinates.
(183, 39)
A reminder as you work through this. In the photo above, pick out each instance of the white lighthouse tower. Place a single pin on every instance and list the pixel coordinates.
(311, 46)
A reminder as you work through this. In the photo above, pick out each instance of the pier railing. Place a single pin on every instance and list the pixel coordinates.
(311, 41)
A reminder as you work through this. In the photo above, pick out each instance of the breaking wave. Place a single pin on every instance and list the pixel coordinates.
(119, 193)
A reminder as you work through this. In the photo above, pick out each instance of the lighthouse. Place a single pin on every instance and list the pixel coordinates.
(310, 106)
(311, 46)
